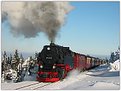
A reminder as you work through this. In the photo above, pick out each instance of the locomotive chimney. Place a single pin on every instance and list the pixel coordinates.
(52, 43)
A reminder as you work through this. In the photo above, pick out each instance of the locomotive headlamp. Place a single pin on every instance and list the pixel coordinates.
(54, 66)
(48, 48)
(41, 66)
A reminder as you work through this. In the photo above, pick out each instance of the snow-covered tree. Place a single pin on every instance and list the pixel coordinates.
(15, 60)
(21, 58)
(35, 58)
(10, 58)
(112, 57)
(4, 61)
(16, 55)
(115, 55)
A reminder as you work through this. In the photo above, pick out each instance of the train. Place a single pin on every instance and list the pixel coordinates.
(55, 62)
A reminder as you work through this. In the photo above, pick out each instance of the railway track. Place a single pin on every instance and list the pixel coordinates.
(41, 86)
(26, 85)
(33, 86)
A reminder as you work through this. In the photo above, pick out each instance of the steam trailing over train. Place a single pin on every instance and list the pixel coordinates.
(30, 18)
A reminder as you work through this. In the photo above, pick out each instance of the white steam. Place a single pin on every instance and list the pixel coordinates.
(30, 18)
(73, 74)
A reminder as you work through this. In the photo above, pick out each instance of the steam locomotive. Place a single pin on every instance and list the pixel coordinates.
(54, 62)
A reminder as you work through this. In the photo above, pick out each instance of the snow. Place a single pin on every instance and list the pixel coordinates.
(104, 77)
(13, 86)
(115, 65)
(8, 85)
(99, 70)
(105, 86)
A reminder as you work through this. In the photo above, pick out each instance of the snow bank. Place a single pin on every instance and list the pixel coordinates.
(104, 86)
(13, 86)
(99, 70)
(115, 66)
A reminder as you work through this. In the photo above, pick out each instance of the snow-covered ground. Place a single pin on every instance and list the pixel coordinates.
(104, 77)
(115, 65)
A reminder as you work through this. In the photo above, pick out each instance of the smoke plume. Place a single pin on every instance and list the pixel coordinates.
(30, 18)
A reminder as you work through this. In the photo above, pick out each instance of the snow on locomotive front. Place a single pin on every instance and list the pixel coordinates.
(54, 62)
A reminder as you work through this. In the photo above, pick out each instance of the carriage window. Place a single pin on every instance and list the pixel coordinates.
(88, 60)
